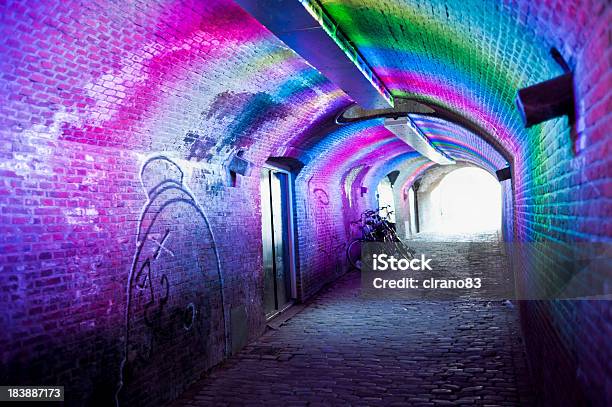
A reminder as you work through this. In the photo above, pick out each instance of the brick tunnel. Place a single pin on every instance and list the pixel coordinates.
(180, 182)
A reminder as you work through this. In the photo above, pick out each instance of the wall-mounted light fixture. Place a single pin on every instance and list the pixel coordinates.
(238, 166)
(549, 99)
(503, 174)
(307, 28)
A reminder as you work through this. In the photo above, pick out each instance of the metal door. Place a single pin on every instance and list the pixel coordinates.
(275, 212)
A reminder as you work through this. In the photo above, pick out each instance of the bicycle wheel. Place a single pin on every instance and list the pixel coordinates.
(353, 253)
(399, 248)
(404, 251)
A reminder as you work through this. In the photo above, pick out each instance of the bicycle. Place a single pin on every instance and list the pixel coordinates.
(376, 228)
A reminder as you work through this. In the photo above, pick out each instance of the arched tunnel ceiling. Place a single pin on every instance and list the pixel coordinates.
(460, 143)
(242, 89)
(467, 57)
(369, 143)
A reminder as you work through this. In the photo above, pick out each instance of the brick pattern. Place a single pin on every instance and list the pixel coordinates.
(563, 195)
(92, 91)
(321, 233)
(562, 176)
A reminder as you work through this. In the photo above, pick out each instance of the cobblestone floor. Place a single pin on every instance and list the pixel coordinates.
(346, 350)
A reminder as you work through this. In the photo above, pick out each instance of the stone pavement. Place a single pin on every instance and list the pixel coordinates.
(346, 350)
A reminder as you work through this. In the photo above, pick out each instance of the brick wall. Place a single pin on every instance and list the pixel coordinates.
(93, 264)
(562, 195)
(562, 175)
(120, 222)
(321, 231)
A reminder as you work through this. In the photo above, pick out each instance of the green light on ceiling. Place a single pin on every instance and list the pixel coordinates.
(329, 26)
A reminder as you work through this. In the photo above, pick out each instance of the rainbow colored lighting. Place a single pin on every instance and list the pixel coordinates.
(331, 28)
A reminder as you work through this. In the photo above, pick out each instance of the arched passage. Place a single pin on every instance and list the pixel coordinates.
(92, 90)
(466, 200)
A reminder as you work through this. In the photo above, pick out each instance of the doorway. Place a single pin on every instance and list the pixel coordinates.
(277, 238)
(385, 196)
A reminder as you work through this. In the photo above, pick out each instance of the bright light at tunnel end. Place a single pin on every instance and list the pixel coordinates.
(466, 200)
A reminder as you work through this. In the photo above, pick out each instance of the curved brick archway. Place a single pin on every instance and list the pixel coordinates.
(92, 90)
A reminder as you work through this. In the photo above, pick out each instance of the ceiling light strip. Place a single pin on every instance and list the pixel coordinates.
(329, 26)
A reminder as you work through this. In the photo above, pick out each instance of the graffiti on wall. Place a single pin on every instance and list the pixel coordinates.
(175, 297)
(319, 211)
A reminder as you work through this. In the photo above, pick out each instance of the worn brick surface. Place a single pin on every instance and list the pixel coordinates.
(90, 91)
(561, 171)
